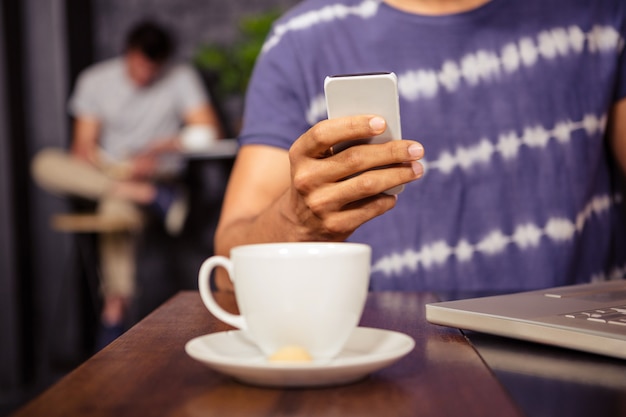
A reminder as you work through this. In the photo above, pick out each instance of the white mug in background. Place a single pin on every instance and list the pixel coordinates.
(306, 294)
(196, 138)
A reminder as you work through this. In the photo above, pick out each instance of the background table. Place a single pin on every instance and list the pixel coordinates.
(146, 372)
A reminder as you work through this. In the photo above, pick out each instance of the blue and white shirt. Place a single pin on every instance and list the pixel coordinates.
(510, 101)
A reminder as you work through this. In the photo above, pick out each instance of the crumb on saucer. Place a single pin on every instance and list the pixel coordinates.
(291, 353)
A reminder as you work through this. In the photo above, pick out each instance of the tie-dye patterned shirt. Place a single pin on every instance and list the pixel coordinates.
(510, 101)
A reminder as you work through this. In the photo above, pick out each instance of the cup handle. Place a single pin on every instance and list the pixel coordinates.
(204, 275)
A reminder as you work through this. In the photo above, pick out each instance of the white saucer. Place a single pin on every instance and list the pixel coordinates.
(366, 351)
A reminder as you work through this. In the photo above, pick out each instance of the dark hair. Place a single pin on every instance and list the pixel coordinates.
(151, 40)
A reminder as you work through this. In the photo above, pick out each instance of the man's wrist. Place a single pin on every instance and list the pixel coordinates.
(295, 229)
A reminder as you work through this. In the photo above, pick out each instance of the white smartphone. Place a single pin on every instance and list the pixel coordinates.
(368, 93)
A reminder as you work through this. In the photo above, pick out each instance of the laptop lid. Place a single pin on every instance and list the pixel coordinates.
(587, 317)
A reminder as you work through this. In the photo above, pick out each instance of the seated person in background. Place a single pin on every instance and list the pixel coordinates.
(517, 104)
(128, 113)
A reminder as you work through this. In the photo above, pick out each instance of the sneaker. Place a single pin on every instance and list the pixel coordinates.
(172, 206)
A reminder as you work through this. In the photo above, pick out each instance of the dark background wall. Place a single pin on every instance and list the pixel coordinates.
(43, 46)
(195, 21)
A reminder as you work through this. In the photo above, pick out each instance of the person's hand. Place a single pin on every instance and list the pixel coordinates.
(331, 194)
(165, 145)
(143, 166)
(86, 154)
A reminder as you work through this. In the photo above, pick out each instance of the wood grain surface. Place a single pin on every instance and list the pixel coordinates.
(146, 372)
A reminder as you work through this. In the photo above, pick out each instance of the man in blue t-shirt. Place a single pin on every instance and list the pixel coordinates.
(518, 105)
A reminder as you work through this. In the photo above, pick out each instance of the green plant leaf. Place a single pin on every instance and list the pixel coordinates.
(234, 63)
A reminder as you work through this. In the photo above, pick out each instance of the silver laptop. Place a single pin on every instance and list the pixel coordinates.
(587, 317)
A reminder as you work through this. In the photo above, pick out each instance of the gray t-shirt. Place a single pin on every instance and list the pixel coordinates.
(133, 117)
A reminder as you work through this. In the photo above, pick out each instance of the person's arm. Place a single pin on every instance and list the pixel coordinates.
(145, 162)
(85, 139)
(307, 194)
(203, 115)
(617, 132)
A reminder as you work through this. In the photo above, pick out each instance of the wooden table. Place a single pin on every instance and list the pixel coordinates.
(146, 372)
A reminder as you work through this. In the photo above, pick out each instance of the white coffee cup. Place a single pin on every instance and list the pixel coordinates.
(305, 294)
(195, 138)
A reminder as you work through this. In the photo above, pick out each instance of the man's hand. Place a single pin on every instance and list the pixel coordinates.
(333, 194)
(309, 194)
(145, 164)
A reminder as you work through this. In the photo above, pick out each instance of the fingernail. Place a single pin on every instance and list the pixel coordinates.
(418, 169)
(416, 150)
(377, 124)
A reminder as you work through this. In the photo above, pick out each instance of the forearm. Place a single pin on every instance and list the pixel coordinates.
(307, 195)
(163, 146)
(203, 116)
(617, 133)
(85, 140)
(270, 225)
(86, 154)
(274, 224)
